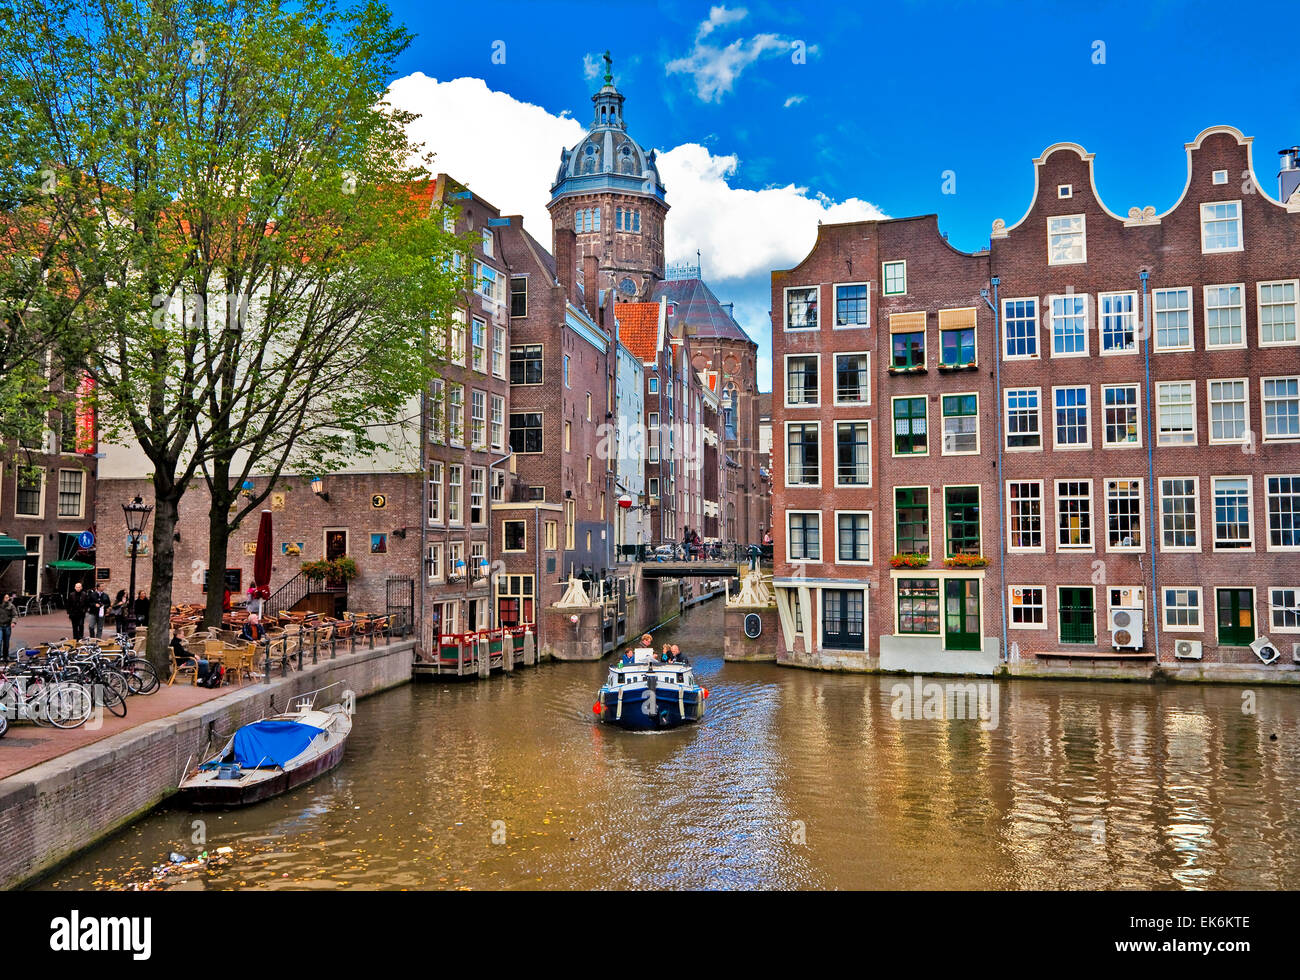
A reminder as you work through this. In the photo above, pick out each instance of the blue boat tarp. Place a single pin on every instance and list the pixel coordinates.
(272, 743)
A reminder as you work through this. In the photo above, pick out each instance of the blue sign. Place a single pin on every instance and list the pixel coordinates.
(86, 540)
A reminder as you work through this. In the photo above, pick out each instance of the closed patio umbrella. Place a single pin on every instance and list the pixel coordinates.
(262, 560)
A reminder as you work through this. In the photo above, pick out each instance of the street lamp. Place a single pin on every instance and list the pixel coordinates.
(318, 488)
(137, 515)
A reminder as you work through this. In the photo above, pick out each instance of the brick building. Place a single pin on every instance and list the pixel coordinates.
(1134, 380)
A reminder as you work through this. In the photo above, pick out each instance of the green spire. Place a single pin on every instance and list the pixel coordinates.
(609, 74)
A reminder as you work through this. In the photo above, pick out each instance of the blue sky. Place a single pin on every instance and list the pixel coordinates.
(890, 97)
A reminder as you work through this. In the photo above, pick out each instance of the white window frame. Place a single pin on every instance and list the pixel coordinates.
(1191, 386)
(497, 422)
(835, 453)
(1271, 607)
(943, 424)
(884, 278)
(1051, 324)
(1141, 515)
(459, 338)
(1249, 547)
(1011, 623)
(1241, 230)
(1240, 307)
(1165, 607)
(1219, 177)
(433, 559)
(1082, 233)
(40, 515)
(821, 539)
(458, 498)
(1137, 408)
(1196, 514)
(434, 517)
(785, 308)
(834, 379)
(816, 423)
(1268, 537)
(1263, 405)
(1133, 316)
(871, 537)
(785, 379)
(1042, 520)
(1259, 312)
(1006, 421)
(835, 312)
(1057, 500)
(1058, 446)
(1209, 411)
(1034, 332)
(1155, 316)
(81, 495)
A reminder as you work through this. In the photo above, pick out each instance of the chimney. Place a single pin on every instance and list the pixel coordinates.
(566, 262)
(1288, 175)
(591, 285)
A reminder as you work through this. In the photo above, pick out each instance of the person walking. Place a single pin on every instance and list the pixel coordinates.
(78, 603)
(119, 610)
(141, 609)
(99, 603)
(8, 613)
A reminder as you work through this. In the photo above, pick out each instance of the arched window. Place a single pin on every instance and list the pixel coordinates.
(636, 220)
(577, 220)
(595, 219)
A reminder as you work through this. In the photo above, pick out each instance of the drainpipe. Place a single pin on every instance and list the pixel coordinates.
(997, 392)
(491, 472)
(1154, 522)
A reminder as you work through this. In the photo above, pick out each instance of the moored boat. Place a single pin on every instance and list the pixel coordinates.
(644, 692)
(271, 756)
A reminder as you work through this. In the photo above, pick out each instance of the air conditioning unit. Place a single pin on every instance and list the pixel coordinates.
(1295, 652)
(1265, 649)
(1126, 628)
(1189, 649)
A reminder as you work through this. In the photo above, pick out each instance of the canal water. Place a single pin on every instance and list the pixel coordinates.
(795, 779)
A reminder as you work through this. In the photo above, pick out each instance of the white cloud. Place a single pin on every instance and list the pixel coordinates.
(716, 69)
(793, 100)
(720, 16)
(590, 66)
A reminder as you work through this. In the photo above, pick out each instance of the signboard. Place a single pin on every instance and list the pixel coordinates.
(378, 501)
(86, 540)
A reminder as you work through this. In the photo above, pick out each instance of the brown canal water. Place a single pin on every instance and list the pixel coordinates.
(795, 779)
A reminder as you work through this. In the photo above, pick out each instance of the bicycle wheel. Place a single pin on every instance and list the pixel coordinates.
(115, 681)
(4, 723)
(140, 672)
(66, 705)
(111, 697)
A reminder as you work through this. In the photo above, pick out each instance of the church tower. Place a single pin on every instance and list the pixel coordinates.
(608, 192)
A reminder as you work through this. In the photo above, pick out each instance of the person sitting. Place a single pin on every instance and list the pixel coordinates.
(204, 675)
(677, 655)
(253, 630)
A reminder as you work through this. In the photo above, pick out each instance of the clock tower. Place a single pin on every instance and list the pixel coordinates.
(608, 191)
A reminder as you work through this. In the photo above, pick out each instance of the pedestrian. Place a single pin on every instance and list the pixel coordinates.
(8, 613)
(99, 603)
(141, 609)
(686, 543)
(254, 603)
(119, 610)
(225, 600)
(78, 603)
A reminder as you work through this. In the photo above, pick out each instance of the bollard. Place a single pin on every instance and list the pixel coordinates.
(352, 640)
(372, 636)
(315, 643)
(530, 650)
(334, 639)
(266, 676)
(484, 658)
(507, 652)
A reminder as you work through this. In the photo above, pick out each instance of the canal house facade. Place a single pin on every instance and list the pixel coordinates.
(1083, 444)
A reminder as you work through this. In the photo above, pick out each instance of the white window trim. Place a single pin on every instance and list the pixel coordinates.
(1006, 417)
(1141, 546)
(1205, 314)
(40, 515)
(437, 521)
(942, 418)
(871, 541)
(1251, 514)
(1209, 412)
(785, 380)
(1164, 609)
(1196, 425)
(785, 309)
(1042, 513)
(1038, 340)
(929, 519)
(1091, 547)
(1279, 629)
(1137, 323)
(81, 496)
(884, 278)
(1214, 177)
(1268, 538)
(1037, 627)
(835, 391)
(1060, 620)
(871, 469)
(1263, 433)
(1259, 310)
(835, 307)
(1083, 231)
(436, 573)
(1051, 328)
(1241, 228)
(1191, 321)
(1136, 386)
(1196, 500)
(1071, 447)
(785, 476)
(929, 432)
(513, 551)
(1064, 191)
(821, 539)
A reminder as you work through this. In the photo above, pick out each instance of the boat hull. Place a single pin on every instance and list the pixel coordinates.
(668, 711)
(241, 793)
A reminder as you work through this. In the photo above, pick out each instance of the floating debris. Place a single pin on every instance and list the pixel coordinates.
(180, 868)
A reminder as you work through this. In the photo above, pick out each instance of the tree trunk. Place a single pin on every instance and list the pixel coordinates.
(166, 511)
(218, 552)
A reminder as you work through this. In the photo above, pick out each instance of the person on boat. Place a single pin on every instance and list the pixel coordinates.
(677, 655)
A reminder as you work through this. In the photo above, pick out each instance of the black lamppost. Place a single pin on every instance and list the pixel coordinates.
(137, 515)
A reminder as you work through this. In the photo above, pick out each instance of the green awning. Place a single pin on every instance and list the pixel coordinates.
(11, 549)
(71, 566)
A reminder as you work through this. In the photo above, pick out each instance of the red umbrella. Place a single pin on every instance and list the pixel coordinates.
(262, 560)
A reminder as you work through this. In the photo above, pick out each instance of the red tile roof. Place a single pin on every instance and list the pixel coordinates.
(638, 328)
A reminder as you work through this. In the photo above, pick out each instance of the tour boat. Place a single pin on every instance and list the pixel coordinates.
(270, 756)
(650, 693)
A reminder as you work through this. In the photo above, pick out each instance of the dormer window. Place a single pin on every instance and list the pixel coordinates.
(1220, 176)
(1065, 190)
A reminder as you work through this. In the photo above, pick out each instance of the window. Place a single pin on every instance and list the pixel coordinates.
(456, 415)
(1025, 515)
(1281, 408)
(957, 338)
(1227, 410)
(801, 380)
(962, 520)
(805, 535)
(894, 277)
(499, 351)
(487, 242)
(71, 491)
(653, 448)
(455, 487)
(514, 600)
(1066, 240)
(568, 435)
(456, 352)
(1123, 515)
(1064, 191)
(526, 432)
(853, 454)
(497, 489)
(1220, 176)
(1076, 614)
(654, 386)
(853, 379)
(478, 419)
(498, 424)
(918, 605)
(1118, 322)
(910, 427)
(477, 491)
(1173, 312)
(1182, 610)
(1176, 413)
(1282, 495)
(1020, 328)
(803, 452)
(907, 341)
(1072, 425)
(552, 531)
(1069, 326)
(853, 537)
(435, 493)
(588, 406)
(1028, 607)
(526, 364)
(1236, 616)
(1232, 525)
(489, 283)
(1120, 415)
(570, 523)
(514, 536)
(912, 520)
(652, 487)
(518, 296)
(478, 563)
(1073, 515)
(1284, 610)
(566, 370)
(851, 308)
(1024, 425)
(1225, 316)
(961, 435)
(801, 308)
(1277, 312)
(589, 476)
(1221, 227)
(1179, 514)
(478, 345)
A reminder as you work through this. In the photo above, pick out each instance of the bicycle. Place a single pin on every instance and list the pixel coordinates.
(97, 677)
(62, 704)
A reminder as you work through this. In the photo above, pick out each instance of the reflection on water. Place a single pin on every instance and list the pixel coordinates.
(795, 779)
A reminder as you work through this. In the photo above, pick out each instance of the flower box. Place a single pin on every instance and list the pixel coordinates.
(966, 561)
(909, 561)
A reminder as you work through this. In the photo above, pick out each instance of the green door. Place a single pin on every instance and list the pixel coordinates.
(962, 614)
(1077, 616)
(1236, 617)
